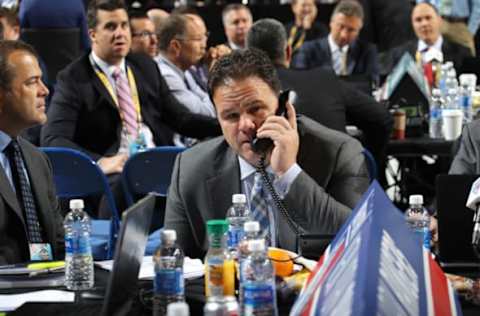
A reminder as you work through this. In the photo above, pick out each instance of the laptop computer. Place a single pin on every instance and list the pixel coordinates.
(455, 222)
(122, 282)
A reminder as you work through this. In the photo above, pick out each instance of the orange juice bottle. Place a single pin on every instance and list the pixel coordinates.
(217, 260)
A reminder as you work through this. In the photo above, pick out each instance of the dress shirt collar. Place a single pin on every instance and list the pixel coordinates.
(246, 169)
(161, 58)
(106, 68)
(5, 140)
(422, 46)
(234, 46)
(334, 47)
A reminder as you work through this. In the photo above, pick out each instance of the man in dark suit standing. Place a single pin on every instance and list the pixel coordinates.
(341, 51)
(318, 173)
(109, 104)
(322, 96)
(30, 222)
(427, 26)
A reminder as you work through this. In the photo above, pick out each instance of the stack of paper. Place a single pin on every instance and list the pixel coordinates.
(10, 302)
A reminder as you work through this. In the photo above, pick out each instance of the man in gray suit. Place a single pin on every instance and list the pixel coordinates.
(318, 173)
(30, 222)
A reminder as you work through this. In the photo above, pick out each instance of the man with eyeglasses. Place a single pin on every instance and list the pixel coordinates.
(144, 38)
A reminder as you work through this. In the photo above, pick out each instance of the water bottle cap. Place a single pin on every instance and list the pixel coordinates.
(169, 234)
(415, 199)
(256, 245)
(436, 92)
(178, 309)
(239, 198)
(217, 226)
(251, 226)
(76, 204)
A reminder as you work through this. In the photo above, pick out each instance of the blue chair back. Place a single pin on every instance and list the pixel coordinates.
(149, 171)
(76, 175)
(371, 164)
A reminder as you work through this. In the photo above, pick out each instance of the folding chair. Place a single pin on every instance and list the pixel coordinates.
(76, 175)
(150, 171)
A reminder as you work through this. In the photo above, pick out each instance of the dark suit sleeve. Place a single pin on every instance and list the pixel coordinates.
(370, 116)
(373, 67)
(301, 58)
(180, 119)
(323, 210)
(63, 115)
(176, 214)
(466, 159)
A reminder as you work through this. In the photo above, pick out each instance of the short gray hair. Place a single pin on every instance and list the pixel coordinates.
(350, 8)
(270, 36)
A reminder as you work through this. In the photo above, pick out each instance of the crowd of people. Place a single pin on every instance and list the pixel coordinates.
(147, 78)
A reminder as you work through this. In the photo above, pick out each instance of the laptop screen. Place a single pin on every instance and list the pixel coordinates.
(130, 248)
(455, 220)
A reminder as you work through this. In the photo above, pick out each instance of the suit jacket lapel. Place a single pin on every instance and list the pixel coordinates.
(38, 185)
(326, 48)
(224, 183)
(10, 196)
(97, 83)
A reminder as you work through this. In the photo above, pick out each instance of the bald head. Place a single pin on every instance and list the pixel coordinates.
(426, 23)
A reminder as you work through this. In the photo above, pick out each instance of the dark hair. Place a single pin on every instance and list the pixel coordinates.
(10, 16)
(430, 5)
(242, 64)
(173, 26)
(233, 7)
(106, 5)
(270, 36)
(137, 14)
(349, 8)
(6, 49)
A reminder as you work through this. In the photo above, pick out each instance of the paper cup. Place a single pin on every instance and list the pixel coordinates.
(452, 123)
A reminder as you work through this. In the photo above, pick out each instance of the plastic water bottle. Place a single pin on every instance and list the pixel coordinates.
(418, 219)
(435, 123)
(237, 215)
(465, 103)
(78, 251)
(169, 283)
(258, 285)
(252, 232)
(451, 99)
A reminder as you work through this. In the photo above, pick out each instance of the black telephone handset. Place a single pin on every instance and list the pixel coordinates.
(262, 145)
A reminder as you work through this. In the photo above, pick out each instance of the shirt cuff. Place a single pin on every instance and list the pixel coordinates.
(283, 183)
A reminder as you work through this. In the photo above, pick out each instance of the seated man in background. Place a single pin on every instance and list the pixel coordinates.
(341, 51)
(144, 37)
(11, 24)
(304, 27)
(427, 23)
(237, 20)
(321, 95)
(182, 44)
(30, 220)
(467, 158)
(107, 103)
(318, 173)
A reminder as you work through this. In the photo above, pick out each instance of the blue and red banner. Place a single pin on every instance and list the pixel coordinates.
(376, 266)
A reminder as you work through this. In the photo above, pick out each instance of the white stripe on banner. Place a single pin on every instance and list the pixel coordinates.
(428, 281)
(451, 297)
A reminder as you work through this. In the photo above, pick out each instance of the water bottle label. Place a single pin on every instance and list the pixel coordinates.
(435, 114)
(259, 299)
(427, 236)
(169, 282)
(215, 272)
(235, 234)
(78, 246)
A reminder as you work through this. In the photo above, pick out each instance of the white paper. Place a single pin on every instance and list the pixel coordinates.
(10, 302)
(192, 268)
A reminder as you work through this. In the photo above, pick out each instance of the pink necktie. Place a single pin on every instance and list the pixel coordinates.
(125, 103)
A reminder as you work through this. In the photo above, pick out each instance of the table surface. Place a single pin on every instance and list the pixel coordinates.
(419, 146)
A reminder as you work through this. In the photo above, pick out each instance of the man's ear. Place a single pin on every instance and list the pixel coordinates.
(175, 47)
(91, 34)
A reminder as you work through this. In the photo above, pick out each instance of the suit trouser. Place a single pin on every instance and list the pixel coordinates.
(458, 33)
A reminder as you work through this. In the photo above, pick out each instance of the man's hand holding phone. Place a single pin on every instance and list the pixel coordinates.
(283, 131)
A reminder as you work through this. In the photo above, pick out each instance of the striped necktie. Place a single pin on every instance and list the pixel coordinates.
(125, 103)
(258, 205)
(24, 191)
(339, 62)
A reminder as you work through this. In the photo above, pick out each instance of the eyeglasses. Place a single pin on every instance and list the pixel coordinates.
(193, 39)
(144, 34)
